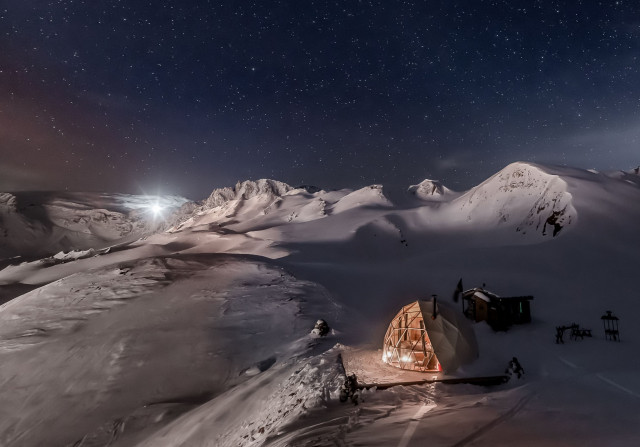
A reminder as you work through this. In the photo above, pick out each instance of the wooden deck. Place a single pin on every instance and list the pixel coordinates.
(482, 381)
(371, 371)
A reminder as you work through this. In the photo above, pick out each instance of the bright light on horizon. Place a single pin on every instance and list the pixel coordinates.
(156, 209)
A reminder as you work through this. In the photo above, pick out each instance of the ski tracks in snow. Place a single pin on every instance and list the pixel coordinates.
(491, 425)
(618, 386)
(601, 377)
(413, 425)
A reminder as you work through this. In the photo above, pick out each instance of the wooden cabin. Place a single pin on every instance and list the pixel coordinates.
(499, 312)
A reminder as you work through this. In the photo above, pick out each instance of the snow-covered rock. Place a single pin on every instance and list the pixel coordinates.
(8, 202)
(242, 202)
(179, 217)
(253, 204)
(265, 189)
(314, 209)
(431, 190)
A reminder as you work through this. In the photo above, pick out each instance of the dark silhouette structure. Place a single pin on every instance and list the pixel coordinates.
(515, 367)
(499, 312)
(576, 332)
(611, 330)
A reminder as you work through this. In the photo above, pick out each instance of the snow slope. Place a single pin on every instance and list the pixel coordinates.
(138, 343)
(200, 335)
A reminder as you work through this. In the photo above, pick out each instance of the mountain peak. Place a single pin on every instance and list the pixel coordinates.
(429, 190)
(524, 195)
(247, 190)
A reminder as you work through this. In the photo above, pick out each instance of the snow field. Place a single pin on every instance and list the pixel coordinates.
(166, 341)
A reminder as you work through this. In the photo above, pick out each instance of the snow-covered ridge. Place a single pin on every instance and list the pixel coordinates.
(631, 176)
(524, 202)
(523, 199)
(371, 195)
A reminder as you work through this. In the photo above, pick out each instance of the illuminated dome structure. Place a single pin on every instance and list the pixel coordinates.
(428, 336)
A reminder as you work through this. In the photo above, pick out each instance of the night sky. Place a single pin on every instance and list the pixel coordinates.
(184, 96)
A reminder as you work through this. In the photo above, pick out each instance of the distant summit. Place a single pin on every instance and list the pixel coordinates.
(265, 188)
(523, 195)
(430, 190)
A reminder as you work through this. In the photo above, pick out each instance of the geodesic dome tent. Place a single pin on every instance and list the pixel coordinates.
(420, 340)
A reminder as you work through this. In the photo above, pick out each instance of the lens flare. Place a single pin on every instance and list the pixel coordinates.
(156, 209)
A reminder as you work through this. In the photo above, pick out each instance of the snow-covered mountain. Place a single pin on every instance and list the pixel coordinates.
(39, 224)
(256, 202)
(521, 195)
(199, 333)
(524, 203)
(263, 190)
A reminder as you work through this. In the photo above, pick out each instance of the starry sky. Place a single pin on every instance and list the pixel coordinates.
(182, 96)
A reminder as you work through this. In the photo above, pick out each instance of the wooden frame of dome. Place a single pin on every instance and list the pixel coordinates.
(407, 344)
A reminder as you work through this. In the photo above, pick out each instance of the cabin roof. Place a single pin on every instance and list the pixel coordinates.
(480, 293)
(488, 296)
(482, 296)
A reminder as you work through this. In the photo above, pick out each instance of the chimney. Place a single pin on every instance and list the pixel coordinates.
(435, 309)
